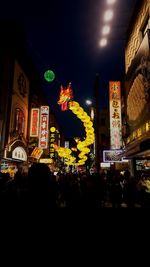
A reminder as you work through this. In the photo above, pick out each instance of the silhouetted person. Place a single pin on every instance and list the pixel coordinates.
(41, 186)
(116, 192)
(130, 192)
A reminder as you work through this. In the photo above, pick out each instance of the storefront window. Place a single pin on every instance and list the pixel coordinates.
(143, 165)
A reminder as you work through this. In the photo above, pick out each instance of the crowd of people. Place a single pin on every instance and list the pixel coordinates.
(40, 187)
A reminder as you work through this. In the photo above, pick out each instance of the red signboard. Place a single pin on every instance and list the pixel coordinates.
(43, 132)
(34, 123)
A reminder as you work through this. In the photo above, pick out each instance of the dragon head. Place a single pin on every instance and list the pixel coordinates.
(65, 94)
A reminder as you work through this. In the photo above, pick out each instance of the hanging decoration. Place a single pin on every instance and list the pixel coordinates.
(49, 76)
(66, 102)
(65, 96)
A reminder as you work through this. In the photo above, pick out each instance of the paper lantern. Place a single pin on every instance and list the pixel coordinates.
(49, 76)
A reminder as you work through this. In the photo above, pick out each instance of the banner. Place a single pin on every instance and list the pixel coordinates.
(34, 123)
(36, 153)
(115, 115)
(52, 142)
(44, 125)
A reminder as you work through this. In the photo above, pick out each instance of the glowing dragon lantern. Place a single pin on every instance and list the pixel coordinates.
(66, 102)
(65, 96)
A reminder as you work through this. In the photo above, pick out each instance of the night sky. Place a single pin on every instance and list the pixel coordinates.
(64, 35)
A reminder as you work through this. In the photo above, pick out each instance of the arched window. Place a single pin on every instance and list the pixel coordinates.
(19, 153)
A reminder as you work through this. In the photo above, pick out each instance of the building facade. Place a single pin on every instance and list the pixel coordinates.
(137, 88)
(14, 94)
(20, 91)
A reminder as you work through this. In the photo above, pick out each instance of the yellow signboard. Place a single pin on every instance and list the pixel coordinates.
(46, 161)
(37, 152)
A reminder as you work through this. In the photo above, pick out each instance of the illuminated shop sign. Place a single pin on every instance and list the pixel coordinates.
(67, 144)
(43, 131)
(105, 164)
(34, 125)
(115, 115)
(52, 141)
(46, 161)
(37, 152)
(112, 155)
(138, 133)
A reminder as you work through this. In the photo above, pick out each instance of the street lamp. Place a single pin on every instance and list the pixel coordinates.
(88, 102)
(96, 146)
(110, 2)
(92, 155)
(106, 29)
(108, 15)
(103, 42)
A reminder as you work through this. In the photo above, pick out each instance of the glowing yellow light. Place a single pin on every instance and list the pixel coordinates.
(81, 145)
(147, 126)
(46, 161)
(77, 139)
(92, 114)
(139, 132)
(74, 149)
(52, 129)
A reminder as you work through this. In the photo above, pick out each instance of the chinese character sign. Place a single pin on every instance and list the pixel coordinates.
(43, 132)
(34, 123)
(36, 153)
(115, 115)
(52, 141)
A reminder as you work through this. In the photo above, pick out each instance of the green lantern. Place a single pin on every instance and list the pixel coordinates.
(49, 76)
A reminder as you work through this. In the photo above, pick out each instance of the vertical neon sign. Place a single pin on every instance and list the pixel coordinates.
(34, 124)
(43, 132)
(115, 115)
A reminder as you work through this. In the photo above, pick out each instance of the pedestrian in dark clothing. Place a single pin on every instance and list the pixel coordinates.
(41, 186)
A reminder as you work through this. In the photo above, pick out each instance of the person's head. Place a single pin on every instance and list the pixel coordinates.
(39, 176)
